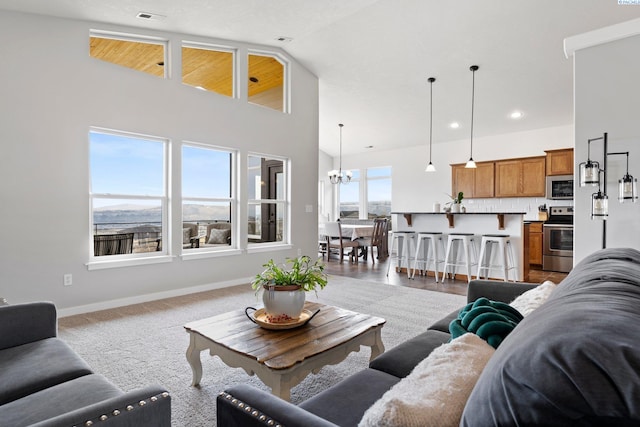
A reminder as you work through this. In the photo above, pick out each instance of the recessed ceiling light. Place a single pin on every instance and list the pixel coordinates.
(152, 16)
(516, 115)
(253, 79)
(454, 125)
(368, 146)
(283, 39)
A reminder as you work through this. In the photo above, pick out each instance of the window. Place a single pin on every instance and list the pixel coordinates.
(141, 54)
(208, 68)
(378, 193)
(266, 85)
(368, 195)
(350, 197)
(128, 194)
(268, 199)
(207, 198)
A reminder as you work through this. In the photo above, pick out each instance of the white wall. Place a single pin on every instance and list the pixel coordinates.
(52, 92)
(607, 99)
(414, 190)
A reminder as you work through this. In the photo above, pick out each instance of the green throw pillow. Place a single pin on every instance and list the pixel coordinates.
(490, 320)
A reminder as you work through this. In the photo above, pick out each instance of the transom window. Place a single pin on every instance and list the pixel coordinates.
(128, 194)
(266, 81)
(141, 54)
(208, 68)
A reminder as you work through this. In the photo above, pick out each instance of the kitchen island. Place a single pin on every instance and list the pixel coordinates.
(478, 223)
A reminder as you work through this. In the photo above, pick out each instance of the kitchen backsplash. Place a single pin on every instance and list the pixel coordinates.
(529, 205)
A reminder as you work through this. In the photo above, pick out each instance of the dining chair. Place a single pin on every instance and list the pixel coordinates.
(376, 240)
(333, 231)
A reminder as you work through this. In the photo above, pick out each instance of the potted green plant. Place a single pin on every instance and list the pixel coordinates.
(283, 286)
(456, 202)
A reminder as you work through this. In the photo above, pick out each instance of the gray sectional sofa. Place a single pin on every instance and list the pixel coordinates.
(575, 360)
(43, 382)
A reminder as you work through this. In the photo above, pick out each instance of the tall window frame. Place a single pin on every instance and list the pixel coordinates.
(268, 200)
(211, 200)
(375, 179)
(149, 244)
(360, 184)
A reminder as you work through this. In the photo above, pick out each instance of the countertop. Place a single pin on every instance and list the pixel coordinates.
(459, 213)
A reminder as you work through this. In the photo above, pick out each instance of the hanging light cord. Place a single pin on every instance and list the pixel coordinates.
(431, 80)
(340, 165)
(473, 96)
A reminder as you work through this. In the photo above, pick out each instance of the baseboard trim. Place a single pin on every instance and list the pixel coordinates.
(121, 302)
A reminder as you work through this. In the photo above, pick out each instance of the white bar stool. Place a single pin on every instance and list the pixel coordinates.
(433, 250)
(400, 241)
(467, 240)
(505, 256)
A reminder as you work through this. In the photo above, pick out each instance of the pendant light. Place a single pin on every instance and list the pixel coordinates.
(336, 176)
(627, 186)
(589, 171)
(473, 68)
(430, 167)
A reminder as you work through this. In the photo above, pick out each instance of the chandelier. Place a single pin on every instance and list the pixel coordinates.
(337, 176)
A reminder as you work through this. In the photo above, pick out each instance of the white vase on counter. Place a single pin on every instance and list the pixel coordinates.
(455, 207)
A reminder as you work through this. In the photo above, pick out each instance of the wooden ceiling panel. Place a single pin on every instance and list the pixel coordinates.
(145, 57)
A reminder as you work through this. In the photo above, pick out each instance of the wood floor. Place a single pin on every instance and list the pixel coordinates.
(378, 273)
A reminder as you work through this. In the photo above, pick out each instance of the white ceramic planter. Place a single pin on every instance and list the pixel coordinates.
(282, 301)
(455, 207)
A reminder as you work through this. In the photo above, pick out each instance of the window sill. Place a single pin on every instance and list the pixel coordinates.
(118, 263)
(267, 247)
(210, 254)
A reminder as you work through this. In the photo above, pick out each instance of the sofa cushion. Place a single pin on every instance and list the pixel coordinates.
(442, 325)
(56, 400)
(32, 367)
(534, 298)
(400, 360)
(576, 359)
(435, 392)
(346, 402)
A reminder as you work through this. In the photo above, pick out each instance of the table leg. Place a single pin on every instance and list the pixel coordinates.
(281, 389)
(193, 357)
(378, 346)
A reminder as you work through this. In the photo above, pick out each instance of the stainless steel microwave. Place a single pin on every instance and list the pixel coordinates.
(560, 187)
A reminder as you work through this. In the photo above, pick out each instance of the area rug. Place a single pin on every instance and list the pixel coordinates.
(145, 344)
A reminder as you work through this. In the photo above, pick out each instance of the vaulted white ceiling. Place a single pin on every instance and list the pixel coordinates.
(373, 57)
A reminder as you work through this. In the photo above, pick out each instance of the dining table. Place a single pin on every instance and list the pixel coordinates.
(351, 231)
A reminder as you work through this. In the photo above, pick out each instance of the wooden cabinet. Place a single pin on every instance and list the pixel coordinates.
(474, 183)
(535, 243)
(560, 162)
(520, 177)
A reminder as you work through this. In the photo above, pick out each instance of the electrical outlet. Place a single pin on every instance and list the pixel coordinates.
(67, 279)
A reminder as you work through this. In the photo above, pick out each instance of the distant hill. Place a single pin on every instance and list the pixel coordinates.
(136, 214)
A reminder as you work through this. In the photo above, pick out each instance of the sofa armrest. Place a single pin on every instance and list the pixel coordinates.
(25, 323)
(497, 290)
(246, 406)
(126, 410)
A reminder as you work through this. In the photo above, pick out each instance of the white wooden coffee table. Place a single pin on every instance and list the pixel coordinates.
(283, 358)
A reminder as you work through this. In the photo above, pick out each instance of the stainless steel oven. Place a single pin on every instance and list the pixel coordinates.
(557, 254)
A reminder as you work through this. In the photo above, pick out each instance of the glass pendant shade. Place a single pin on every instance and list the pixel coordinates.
(599, 206)
(470, 164)
(589, 173)
(430, 168)
(627, 189)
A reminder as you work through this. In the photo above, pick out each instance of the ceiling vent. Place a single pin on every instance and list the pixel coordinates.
(150, 16)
